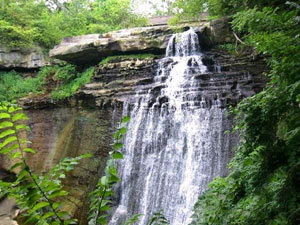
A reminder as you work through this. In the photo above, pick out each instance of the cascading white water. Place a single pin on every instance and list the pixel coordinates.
(175, 143)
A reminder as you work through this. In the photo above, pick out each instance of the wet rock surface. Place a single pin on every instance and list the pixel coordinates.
(61, 132)
(229, 79)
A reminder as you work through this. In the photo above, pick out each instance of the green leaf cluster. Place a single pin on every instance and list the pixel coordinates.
(123, 57)
(158, 218)
(191, 9)
(70, 81)
(111, 15)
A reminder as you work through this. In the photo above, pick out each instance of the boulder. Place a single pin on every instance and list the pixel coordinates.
(8, 208)
(8, 212)
(221, 31)
(22, 59)
(7, 221)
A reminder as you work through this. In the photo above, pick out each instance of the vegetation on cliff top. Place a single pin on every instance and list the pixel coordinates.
(263, 186)
(24, 23)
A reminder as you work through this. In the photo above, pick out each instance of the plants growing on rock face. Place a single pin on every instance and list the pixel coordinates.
(37, 195)
(100, 197)
(124, 57)
(13, 86)
(40, 196)
(70, 80)
(66, 81)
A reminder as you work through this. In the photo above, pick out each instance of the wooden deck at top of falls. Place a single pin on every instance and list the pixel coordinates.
(90, 49)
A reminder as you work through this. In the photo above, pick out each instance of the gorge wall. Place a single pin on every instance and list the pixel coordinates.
(85, 122)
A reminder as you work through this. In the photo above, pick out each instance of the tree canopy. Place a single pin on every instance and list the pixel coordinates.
(24, 23)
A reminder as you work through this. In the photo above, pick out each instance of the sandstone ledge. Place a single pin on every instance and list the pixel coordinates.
(90, 49)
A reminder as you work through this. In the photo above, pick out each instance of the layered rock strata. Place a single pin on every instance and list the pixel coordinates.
(231, 78)
(61, 132)
(90, 49)
(22, 59)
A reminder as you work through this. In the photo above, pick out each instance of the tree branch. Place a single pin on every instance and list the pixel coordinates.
(238, 39)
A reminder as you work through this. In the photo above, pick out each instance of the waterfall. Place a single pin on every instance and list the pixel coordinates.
(175, 143)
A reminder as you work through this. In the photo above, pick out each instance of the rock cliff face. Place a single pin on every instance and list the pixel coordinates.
(231, 77)
(61, 132)
(85, 123)
(22, 59)
(90, 49)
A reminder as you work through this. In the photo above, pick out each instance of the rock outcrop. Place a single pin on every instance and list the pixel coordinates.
(231, 78)
(8, 209)
(90, 49)
(22, 59)
(61, 132)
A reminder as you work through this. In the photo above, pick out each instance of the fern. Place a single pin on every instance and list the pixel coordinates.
(100, 197)
(37, 195)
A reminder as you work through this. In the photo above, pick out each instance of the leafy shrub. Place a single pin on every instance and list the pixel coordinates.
(25, 23)
(13, 86)
(68, 81)
(71, 81)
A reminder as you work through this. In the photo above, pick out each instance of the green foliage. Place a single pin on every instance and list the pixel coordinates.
(158, 219)
(70, 80)
(134, 219)
(38, 196)
(123, 57)
(13, 86)
(262, 187)
(187, 10)
(100, 197)
(191, 9)
(113, 15)
(24, 23)
(231, 48)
